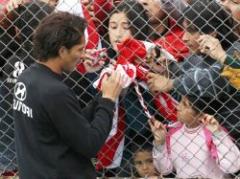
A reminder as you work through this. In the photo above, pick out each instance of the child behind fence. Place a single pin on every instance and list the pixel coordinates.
(195, 146)
(142, 159)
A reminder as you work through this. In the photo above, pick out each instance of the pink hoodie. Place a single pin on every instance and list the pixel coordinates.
(197, 153)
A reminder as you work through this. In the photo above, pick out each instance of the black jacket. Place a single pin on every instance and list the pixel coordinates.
(13, 67)
(55, 139)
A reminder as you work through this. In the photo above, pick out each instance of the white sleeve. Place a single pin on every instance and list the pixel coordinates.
(161, 159)
(228, 152)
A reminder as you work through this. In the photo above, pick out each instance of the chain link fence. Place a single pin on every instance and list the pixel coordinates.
(182, 62)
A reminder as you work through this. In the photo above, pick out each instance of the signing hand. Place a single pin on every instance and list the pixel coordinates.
(112, 85)
(90, 63)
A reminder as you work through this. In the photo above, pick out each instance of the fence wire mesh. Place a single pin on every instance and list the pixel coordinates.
(179, 113)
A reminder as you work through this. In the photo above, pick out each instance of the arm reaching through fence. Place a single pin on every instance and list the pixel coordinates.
(228, 155)
(161, 156)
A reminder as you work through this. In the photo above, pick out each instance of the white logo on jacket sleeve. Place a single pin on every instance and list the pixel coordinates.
(18, 68)
(20, 93)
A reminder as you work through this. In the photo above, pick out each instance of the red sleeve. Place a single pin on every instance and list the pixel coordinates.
(81, 68)
(141, 73)
(174, 45)
(101, 9)
(173, 42)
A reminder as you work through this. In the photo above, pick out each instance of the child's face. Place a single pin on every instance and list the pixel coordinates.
(143, 163)
(185, 112)
(119, 29)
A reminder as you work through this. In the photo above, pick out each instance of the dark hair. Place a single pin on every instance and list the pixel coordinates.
(29, 16)
(208, 16)
(204, 105)
(147, 146)
(196, 104)
(60, 29)
(25, 18)
(137, 17)
(142, 143)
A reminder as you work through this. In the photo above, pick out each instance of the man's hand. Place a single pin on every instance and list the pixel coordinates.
(159, 131)
(91, 62)
(90, 67)
(112, 86)
(211, 123)
(158, 83)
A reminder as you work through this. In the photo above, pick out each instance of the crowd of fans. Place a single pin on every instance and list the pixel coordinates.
(179, 114)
